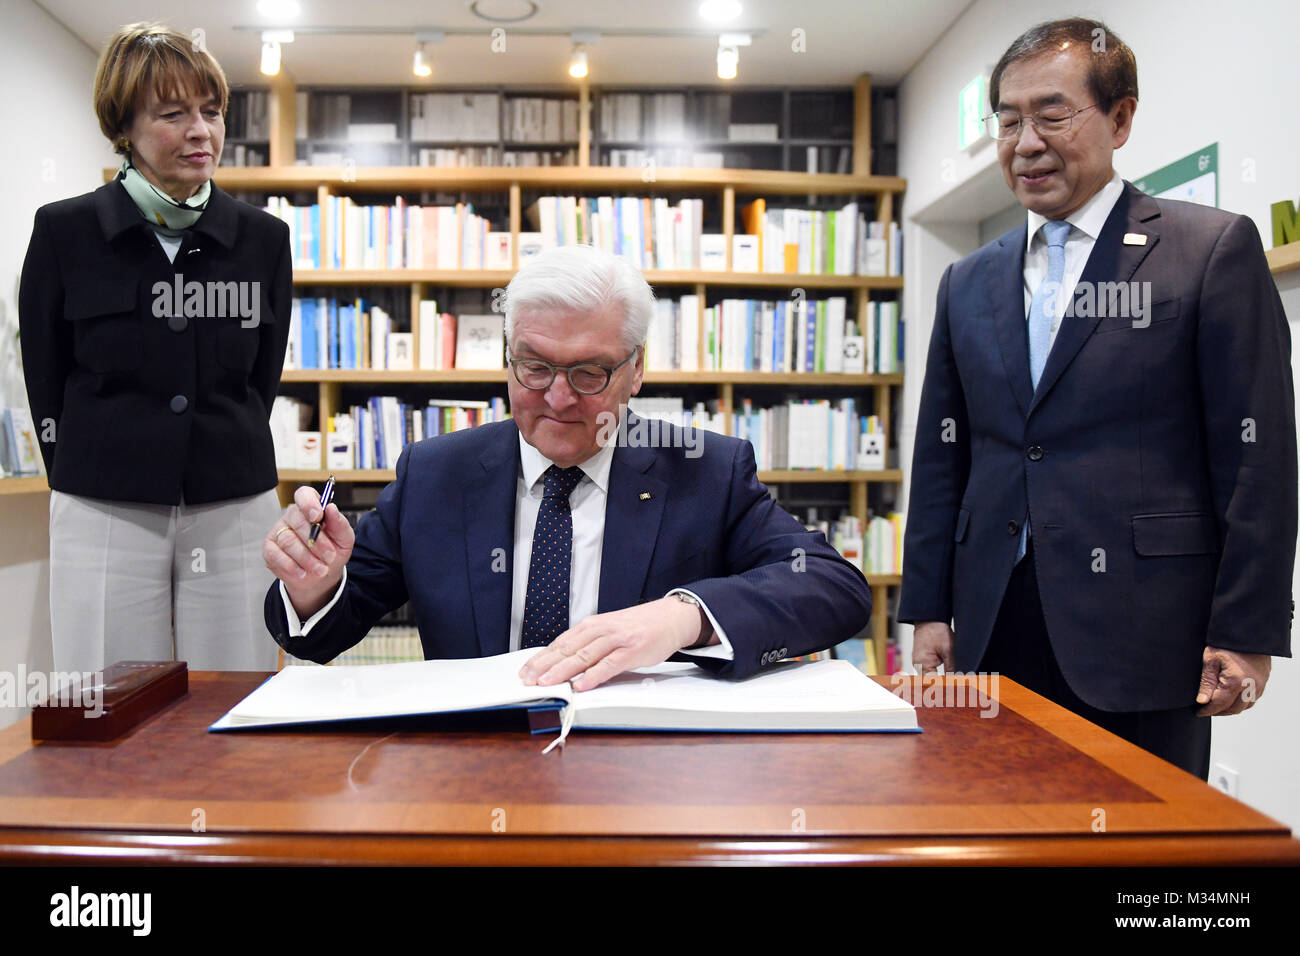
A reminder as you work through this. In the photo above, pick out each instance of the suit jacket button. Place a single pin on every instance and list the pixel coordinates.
(1013, 528)
(783, 652)
(179, 403)
(1035, 453)
(178, 323)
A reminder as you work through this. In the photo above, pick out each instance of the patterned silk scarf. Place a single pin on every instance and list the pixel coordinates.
(165, 214)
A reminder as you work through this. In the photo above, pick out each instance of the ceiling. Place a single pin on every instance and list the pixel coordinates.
(842, 39)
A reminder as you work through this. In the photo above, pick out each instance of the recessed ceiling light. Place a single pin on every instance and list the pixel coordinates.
(720, 11)
(279, 9)
(503, 11)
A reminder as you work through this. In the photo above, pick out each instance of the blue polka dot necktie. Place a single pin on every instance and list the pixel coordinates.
(546, 605)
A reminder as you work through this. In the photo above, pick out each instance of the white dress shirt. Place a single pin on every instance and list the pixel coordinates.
(1086, 223)
(170, 244)
(587, 506)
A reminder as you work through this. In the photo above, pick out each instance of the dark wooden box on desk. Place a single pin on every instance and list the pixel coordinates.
(120, 697)
(1034, 784)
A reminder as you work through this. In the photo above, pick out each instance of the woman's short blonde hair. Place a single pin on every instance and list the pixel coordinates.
(141, 56)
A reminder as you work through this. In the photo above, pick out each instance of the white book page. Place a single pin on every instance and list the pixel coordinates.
(806, 687)
(302, 694)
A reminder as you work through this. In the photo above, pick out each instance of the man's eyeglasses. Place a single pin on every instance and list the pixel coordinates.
(586, 379)
(1005, 124)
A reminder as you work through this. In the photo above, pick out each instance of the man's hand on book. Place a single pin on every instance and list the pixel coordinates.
(603, 645)
(310, 570)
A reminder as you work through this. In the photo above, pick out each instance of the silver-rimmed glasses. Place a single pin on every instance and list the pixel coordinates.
(1052, 121)
(587, 378)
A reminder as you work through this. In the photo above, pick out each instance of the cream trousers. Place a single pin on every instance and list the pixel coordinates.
(160, 582)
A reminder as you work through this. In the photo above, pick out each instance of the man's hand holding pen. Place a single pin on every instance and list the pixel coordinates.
(310, 570)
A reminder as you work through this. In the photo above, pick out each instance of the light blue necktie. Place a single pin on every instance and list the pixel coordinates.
(1042, 308)
(1042, 311)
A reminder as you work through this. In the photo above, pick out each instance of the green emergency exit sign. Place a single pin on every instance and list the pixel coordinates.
(971, 105)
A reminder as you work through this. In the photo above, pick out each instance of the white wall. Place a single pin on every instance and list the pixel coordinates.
(51, 149)
(1208, 72)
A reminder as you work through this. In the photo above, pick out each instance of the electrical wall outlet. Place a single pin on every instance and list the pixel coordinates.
(1224, 778)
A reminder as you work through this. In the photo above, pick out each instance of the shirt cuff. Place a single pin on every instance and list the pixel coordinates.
(296, 627)
(721, 652)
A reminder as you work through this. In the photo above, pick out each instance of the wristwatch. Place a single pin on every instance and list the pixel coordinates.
(706, 629)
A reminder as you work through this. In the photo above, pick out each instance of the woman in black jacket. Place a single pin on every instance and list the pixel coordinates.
(153, 314)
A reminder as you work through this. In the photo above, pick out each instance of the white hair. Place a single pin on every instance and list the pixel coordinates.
(582, 279)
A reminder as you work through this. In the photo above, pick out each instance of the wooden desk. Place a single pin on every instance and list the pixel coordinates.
(1027, 786)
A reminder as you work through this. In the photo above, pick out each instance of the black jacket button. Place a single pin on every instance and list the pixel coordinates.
(179, 403)
(1035, 452)
(1013, 528)
(178, 323)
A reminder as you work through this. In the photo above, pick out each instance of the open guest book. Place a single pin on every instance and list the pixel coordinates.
(809, 696)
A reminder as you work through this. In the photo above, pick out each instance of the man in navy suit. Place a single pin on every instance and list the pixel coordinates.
(1103, 497)
(568, 528)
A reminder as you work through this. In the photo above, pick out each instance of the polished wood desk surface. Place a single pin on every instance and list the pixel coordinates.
(1032, 785)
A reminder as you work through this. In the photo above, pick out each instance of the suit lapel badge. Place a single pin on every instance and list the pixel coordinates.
(644, 496)
(1134, 239)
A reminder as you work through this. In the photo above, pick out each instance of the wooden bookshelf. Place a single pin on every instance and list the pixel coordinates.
(26, 485)
(1283, 258)
(475, 278)
(317, 476)
(382, 179)
(383, 376)
(665, 125)
(720, 189)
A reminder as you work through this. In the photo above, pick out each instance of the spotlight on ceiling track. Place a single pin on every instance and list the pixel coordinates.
(422, 65)
(728, 61)
(271, 41)
(578, 66)
(729, 53)
(270, 58)
(578, 63)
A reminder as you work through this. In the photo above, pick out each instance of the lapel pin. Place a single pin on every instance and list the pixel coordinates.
(1134, 239)
(644, 496)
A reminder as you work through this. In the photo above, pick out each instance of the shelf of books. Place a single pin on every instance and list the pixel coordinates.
(21, 470)
(775, 321)
(804, 128)
(777, 315)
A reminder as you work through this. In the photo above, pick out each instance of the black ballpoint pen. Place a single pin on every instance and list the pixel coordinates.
(325, 498)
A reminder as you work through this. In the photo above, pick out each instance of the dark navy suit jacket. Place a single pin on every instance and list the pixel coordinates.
(1156, 462)
(442, 535)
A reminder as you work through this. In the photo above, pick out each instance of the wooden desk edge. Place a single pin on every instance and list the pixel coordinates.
(91, 847)
(28, 844)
